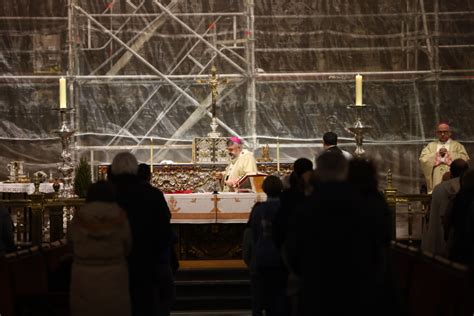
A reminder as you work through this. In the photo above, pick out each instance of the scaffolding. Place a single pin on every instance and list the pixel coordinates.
(122, 44)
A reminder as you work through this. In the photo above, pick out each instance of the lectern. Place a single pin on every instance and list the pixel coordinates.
(251, 182)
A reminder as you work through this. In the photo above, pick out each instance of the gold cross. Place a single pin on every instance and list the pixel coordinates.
(213, 83)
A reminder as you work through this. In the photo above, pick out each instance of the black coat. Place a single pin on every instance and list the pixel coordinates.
(329, 249)
(149, 219)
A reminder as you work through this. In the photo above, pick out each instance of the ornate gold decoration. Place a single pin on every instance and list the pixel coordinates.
(265, 154)
(197, 178)
(210, 150)
(15, 170)
(172, 178)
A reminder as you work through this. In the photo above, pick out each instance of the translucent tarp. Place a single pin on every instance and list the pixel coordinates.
(290, 65)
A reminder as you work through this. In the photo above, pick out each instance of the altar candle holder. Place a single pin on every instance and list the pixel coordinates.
(358, 129)
(66, 166)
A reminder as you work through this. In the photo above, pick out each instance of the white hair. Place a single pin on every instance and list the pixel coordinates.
(124, 163)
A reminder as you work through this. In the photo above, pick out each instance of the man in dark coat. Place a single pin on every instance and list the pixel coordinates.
(321, 243)
(149, 219)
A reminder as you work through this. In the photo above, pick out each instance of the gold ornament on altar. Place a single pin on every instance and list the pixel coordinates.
(265, 154)
(16, 174)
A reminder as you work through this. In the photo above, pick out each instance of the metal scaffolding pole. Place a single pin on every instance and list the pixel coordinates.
(137, 42)
(251, 81)
(140, 41)
(135, 115)
(143, 60)
(207, 43)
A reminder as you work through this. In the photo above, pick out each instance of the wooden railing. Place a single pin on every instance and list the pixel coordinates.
(431, 284)
(411, 206)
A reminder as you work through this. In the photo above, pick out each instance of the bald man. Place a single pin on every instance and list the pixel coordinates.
(437, 156)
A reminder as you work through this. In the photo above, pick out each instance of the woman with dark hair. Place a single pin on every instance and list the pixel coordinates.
(101, 240)
(290, 199)
(292, 196)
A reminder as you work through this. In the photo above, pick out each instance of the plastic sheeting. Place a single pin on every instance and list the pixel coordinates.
(416, 57)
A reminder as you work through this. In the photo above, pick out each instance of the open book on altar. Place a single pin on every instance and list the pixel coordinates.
(251, 182)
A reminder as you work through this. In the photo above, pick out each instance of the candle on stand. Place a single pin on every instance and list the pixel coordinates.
(278, 154)
(62, 93)
(358, 90)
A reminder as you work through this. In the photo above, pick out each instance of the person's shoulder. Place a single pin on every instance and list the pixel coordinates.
(152, 190)
(432, 144)
(456, 143)
(246, 152)
(442, 188)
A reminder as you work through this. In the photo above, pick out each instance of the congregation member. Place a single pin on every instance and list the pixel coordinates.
(461, 222)
(242, 163)
(379, 295)
(438, 155)
(101, 239)
(149, 219)
(330, 145)
(248, 255)
(271, 273)
(292, 196)
(435, 237)
(321, 243)
(168, 261)
(290, 199)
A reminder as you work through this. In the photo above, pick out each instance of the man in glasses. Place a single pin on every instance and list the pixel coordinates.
(242, 163)
(437, 156)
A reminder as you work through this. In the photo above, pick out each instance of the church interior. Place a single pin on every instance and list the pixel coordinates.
(188, 88)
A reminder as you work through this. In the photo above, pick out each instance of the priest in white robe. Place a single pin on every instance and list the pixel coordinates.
(437, 156)
(242, 163)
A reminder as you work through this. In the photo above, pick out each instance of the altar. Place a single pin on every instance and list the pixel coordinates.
(210, 226)
(212, 208)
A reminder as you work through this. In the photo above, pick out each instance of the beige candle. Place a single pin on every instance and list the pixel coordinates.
(62, 93)
(358, 90)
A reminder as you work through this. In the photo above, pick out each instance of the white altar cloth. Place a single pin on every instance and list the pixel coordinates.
(28, 188)
(208, 208)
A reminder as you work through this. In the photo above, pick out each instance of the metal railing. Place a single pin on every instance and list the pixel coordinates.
(41, 217)
(411, 206)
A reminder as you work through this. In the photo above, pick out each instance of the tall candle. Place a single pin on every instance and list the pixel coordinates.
(62, 93)
(278, 154)
(358, 90)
